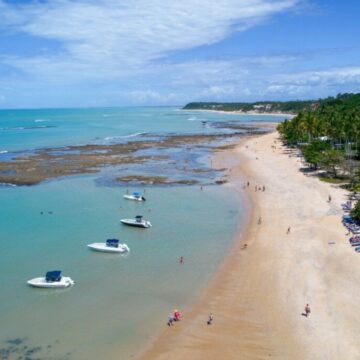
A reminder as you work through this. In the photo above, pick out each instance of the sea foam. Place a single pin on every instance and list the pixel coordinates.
(110, 138)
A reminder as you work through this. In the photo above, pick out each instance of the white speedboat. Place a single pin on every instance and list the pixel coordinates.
(137, 222)
(135, 196)
(110, 246)
(52, 280)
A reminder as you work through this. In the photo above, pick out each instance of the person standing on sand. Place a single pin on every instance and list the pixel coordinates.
(259, 221)
(170, 320)
(288, 230)
(329, 200)
(210, 319)
(307, 310)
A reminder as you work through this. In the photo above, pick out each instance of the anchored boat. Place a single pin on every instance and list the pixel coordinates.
(110, 246)
(135, 196)
(137, 222)
(52, 279)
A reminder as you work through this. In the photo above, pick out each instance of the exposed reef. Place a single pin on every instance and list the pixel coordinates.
(43, 164)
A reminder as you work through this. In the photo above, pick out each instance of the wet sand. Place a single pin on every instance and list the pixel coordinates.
(259, 293)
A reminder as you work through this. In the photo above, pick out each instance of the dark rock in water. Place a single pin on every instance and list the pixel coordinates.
(4, 354)
(43, 164)
(17, 349)
(154, 180)
(32, 351)
(16, 341)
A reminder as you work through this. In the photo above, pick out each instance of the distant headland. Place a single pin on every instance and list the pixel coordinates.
(267, 107)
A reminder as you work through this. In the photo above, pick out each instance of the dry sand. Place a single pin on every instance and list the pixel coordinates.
(258, 296)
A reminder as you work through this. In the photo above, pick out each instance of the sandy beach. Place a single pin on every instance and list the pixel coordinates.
(240, 112)
(259, 293)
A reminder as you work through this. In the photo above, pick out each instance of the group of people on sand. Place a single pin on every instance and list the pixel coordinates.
(307, 309)
(176, 316)
(257, 188)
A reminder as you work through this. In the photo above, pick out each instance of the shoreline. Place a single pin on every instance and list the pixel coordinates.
(153, 349)
(240, 112)
(258, 294)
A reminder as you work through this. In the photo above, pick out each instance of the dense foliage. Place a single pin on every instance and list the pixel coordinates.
(355, 212)
(338, 119)
(328, 135)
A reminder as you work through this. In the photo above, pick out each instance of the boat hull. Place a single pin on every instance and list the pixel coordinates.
(42, 283)
(101, 247)
(134, 198)
(134, 223)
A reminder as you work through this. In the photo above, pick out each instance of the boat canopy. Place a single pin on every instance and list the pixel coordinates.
(112, 242)
(136, 194)
(138, 218)
(52, 276)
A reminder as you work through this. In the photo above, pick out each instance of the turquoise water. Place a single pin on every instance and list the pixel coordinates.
(29, 129)
(118, 302)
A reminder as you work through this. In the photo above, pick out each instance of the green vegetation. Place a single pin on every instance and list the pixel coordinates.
(261, 106)
(328, 136)
(340, 102)
(330, 180)
(355, 212)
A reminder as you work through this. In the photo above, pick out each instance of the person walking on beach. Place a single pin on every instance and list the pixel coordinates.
(288, 230)
(170, 320)
(307, 310)
(259, 221)
(210, 319)
(329, 200)
(263, 188)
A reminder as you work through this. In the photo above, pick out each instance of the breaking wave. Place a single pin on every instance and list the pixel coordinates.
(111, 138)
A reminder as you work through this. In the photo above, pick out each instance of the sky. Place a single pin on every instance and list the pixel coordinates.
(81, 53)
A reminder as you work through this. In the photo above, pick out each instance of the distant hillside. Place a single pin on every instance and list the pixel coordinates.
(259, 106)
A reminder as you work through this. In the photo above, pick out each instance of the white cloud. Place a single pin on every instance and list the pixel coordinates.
(146, 96)
(110, 50)
(107, 38)
(306, 82)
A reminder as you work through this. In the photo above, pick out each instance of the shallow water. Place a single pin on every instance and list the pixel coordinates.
(26, 129)
(118, 302)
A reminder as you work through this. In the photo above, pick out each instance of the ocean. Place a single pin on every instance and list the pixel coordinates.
(118, 302)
